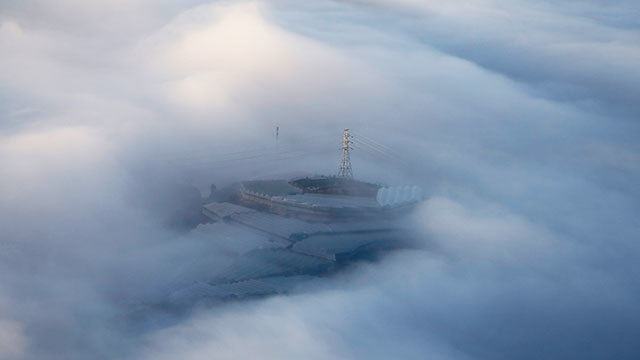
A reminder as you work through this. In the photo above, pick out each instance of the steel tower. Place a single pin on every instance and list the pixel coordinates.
(345, 165)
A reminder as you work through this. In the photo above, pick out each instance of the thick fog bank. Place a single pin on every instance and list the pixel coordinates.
(518, 118)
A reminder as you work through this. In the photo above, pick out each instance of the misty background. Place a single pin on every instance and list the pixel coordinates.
(518, 118)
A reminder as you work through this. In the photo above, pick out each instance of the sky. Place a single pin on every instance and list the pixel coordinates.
(518, 118)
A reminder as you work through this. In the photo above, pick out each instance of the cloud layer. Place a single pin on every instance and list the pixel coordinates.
(519, 118)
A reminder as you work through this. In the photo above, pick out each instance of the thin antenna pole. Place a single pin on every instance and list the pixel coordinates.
(345, 165)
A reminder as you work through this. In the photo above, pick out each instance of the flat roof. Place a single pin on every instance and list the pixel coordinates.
(332, 201)
(271, 187)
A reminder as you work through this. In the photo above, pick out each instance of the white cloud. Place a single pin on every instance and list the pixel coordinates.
(13, 342)
(531, 222)
(230, 57)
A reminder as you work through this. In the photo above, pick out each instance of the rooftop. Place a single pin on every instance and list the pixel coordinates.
(331, 201)
(271, 187)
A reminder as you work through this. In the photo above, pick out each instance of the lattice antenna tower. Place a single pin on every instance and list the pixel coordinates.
(345, 170)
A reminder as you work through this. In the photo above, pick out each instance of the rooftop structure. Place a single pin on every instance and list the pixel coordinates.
(328, 199)
(292, 230)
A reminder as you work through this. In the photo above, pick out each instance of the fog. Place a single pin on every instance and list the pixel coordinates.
(519, 119)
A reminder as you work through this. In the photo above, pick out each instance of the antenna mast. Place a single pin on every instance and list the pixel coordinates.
(345, 165)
